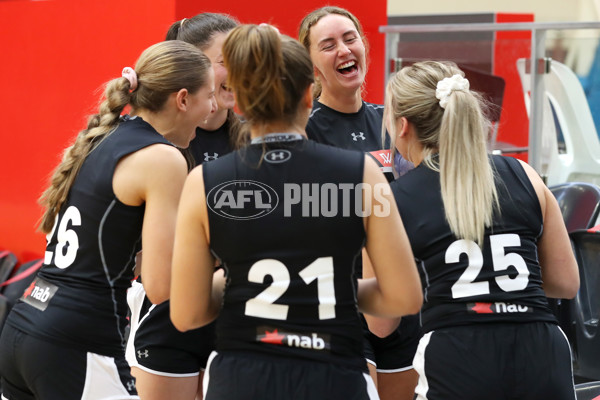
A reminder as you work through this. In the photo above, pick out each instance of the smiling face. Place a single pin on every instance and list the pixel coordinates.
(223, 94)
(200, 107)
(338, 55)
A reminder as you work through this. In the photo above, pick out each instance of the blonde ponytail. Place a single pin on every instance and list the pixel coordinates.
(466, 174)
(453, 135)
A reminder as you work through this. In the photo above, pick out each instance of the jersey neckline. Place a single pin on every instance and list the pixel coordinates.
(277, 137)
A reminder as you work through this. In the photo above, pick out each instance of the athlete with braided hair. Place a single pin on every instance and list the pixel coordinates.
(116, 189)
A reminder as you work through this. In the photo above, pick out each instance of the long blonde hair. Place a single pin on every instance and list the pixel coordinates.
(458, 134)
(162, 69)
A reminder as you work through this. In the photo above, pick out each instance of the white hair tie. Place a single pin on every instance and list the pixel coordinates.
(446, 86)
(129, 74)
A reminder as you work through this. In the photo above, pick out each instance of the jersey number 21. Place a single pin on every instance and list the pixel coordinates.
(263, 305)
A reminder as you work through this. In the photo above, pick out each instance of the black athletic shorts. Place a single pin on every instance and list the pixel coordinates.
(495, 362)
(163, 350)
(32, 368)
(394, 353)
(157, 347)
(254, 376)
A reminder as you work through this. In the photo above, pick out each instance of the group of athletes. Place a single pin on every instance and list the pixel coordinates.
(149, 290)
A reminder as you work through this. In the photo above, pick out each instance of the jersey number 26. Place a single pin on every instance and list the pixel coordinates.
(65, 238)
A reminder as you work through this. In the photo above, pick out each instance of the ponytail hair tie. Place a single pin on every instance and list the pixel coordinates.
(446, 86)
(129, 74)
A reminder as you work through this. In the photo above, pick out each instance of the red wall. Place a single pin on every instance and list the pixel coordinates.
(509, 46)
(56, 54)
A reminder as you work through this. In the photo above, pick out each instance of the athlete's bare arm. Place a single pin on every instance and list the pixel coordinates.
(560, 273)
(396, 291)
(154, 175)
(195, 301)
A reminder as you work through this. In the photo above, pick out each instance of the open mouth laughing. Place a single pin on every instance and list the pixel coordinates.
(348, 67)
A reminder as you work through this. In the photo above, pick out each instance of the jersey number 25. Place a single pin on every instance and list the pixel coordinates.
(466, 286)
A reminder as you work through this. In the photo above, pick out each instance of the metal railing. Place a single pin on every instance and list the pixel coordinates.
(538, 51)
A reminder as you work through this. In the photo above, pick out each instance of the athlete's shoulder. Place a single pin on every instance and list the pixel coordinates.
(319, 112)
(338, 155)
(333, 149)
(134, 132)
(135, 124)
(412, 182)
(373, 108)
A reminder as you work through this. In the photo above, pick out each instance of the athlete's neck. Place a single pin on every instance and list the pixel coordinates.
(350, 103)
(162, 121)
(259, 130)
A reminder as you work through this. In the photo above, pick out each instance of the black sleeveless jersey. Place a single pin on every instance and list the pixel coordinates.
(79, 296)
(463, 283)
(353, 131)
(155, 327)
(210, 145)
(283, 222)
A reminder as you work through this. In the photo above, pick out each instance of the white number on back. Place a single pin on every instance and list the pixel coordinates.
(65, 238)
(263, 305)
(466, 286)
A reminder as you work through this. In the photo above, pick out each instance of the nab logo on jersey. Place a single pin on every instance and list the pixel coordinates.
(292, 339)
(497, 308)
(242, 199)
(39, 294)
(277, 156)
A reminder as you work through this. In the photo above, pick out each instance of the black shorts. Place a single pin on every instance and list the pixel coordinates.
(159, 348)
(394, 353)
(32, 368)
(495, 362)
(254, 376)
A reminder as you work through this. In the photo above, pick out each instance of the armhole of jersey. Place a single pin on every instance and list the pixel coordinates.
(118, 158)
(518, 170)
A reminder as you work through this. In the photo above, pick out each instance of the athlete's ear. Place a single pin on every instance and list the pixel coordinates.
(401, 126)
(181, 99)
(315, 72)
(308, 96)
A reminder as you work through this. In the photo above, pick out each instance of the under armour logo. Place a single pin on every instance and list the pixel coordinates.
(130, 385)
(142, 354)
(208, 157)
(277, 156)
(355, 136)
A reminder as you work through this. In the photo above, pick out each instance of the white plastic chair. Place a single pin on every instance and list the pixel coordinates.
(564, 94)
